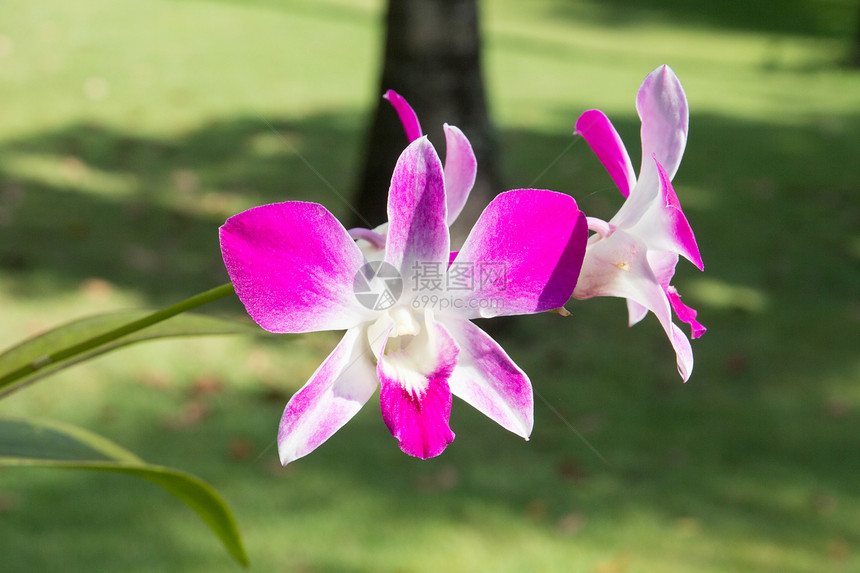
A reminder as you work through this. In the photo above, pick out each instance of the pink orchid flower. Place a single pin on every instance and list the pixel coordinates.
(459, 172)
(295, 268)
(634, 255)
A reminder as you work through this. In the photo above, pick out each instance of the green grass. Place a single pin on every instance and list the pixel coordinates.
(129, 131)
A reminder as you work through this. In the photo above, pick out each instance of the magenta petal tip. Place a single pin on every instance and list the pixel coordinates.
(407, 115)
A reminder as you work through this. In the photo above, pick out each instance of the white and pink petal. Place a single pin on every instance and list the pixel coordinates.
(461, 168)
(334, 394)
(643, 197)
(486, 378)
(526, 251)
(663, 265)
(663, 225)
(683, 350)
(662, 107)
(618, 266)
(417, 225)
(293, 265)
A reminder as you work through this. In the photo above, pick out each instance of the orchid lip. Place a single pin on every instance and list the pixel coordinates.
(409, 352)
(406, 328)
(393, 331)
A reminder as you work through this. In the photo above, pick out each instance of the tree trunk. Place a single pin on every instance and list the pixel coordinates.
(432, 58)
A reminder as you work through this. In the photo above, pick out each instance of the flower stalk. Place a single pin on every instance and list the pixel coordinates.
(95, 342)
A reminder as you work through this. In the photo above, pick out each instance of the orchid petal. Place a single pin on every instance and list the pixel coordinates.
(418, 421)
(663, 265)
(332, 396)
(599, 133)
(662, 107)
(618, 266)
(407, 115)
(417, 231)
(293, 265)
(414, 396)
(683, 350)
(525, 251)
(461, 168)
(489, 380)
(644, 196)
(685, 313)
(664, 222)
(635, 312)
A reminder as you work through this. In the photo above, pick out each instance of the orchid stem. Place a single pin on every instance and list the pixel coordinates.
(92, 343)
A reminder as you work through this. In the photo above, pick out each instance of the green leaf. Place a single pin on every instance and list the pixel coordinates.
(42, 355)
(27, 442)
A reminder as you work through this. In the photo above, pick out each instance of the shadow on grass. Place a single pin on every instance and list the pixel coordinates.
(759, 445)
(834, 18)
(156, 229)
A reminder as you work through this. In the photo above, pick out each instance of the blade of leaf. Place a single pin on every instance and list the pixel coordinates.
(29, 361)
(27, 442)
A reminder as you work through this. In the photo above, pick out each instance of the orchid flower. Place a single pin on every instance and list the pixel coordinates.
(459, 171)
(296, 269)
(634, 255)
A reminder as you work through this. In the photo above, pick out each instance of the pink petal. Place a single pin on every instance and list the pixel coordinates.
(663, 225)
(293, 265)
(461, 167)
(419, 421)
(599, 133)
(332, 396)
(662, 107)
(526, 251)
(618, 266)
(417, 231)
(407, 115)
(685, 313)
(488, 379)
(681, 227)
(663, 266)
(414, 395)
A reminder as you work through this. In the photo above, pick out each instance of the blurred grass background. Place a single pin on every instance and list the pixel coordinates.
(130, 131)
